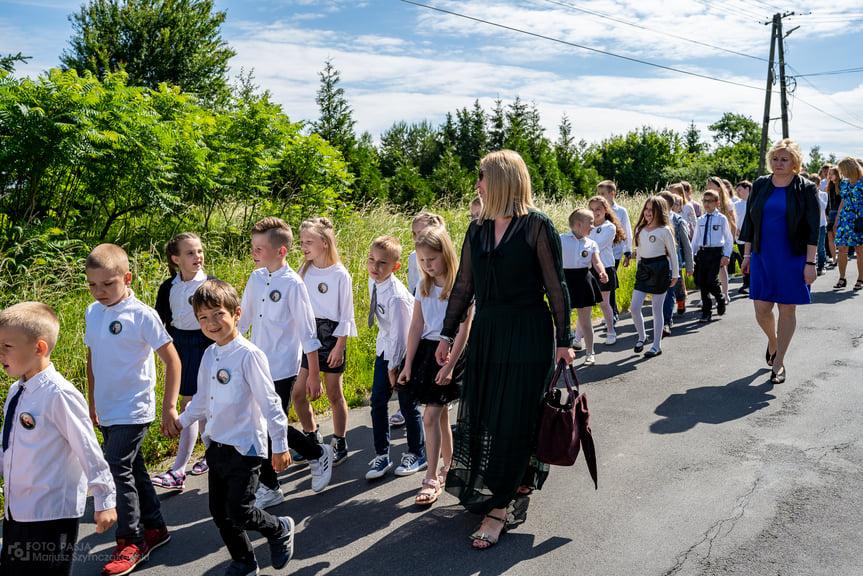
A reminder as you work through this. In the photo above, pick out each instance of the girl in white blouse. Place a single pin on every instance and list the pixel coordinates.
(607, 232)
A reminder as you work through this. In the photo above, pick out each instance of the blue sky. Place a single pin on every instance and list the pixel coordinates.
(400, 61)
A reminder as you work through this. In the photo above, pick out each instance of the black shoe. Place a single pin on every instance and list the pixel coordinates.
(639, 346)
(743, 290)
(340, 450)
(705, 318)
(282, 547)
(720, 308)
(237, 568)
(651, 353)
(777, 377)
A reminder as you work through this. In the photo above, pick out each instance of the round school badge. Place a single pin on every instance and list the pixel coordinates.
(584, 253)
(323, 288)
(381, 310)
(27, 420)
(652, 238)
(716, 226)
(115, 327)
(275, 296)
(223, 376)
(190, 300)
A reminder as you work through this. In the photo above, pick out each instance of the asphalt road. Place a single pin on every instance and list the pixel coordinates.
(705, 468)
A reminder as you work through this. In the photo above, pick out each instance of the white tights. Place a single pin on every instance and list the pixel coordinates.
(656, 303)
(188, 437)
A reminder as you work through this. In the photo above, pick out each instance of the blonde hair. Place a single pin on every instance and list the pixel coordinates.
(323, 229)
(726, 206)
(278, 232)
(108, 257)
(507, 186)
(848, 166)
(793, 150)
(660, 215)
(216, 294)
(172, 248)
(610, 216)
(389, 245)
(35, 320)
(428, 219)
(437, 239)
(580, 215)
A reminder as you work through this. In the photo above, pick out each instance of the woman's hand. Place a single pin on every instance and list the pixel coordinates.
(566, 354)
(809, 274)
(744, 266)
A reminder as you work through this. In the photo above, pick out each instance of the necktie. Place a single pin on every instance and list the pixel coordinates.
(706, 229)
(10, 417)
(373, 305)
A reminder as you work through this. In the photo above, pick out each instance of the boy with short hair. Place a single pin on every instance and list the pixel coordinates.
(392, 305)
(50, 455)
(237, 400)
(277, 307)
(121, 334)
(622, 250)
(711, 245)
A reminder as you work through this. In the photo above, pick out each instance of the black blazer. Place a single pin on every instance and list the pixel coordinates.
(803, 213)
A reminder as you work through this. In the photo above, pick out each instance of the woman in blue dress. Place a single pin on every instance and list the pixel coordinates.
(850, 208)
(780, 231)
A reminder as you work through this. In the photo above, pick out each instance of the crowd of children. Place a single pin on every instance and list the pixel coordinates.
(236, 391)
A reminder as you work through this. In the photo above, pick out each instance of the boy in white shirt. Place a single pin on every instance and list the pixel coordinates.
(711, 247)
(392, 305)
(277, 307)
(622, 250)
(50, 455)
(121, 334)
(237, 399)
(743, 189)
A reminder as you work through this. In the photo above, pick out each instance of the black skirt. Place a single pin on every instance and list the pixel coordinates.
(190, 345)
(423, 372)
(328, 342)
(584, 288)
(653, 275)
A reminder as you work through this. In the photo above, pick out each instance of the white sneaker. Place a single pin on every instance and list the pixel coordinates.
(576, 344)
(590, 360)
(265, 498)
(610, 339)
(322, 469)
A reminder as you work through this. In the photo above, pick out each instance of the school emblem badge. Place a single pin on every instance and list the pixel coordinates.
(323, 288)
(584, 253)
(381, 310)
(652, 238)
(115, 327)
(275, 296)
(27, 420)
(716, 226)
(223, 376)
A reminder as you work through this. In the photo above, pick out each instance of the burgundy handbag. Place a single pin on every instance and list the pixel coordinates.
(564, 428)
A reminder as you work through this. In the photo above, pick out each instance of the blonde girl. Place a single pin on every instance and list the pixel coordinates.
(425, 381)
(657, 269)
(686, 208)
(580, 256)
(331, 293)
(607, 232)
(726, 208)
(185, 255)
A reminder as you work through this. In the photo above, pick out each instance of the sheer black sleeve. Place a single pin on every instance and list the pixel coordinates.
(550, 256)
(462, 294)
(163, 305)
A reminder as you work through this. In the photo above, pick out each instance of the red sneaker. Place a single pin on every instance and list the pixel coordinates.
(156, 537)
(125, 558)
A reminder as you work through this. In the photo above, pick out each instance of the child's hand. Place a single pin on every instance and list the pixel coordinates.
(442, 353)
(336, 357)
(625, 261)
(724, 262)
(405, 376)
(603, 277)
(281, 461)
(673, 282)
(393, 376)
(689, 272)
(105, 519)
(170, 423)
(93, 416)
(444, 376)
(314, 388)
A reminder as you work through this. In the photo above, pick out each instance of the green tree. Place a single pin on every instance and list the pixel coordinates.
(638, 160)
(569, 159)
(153, 41)
(692, 140)
(738, 138)
(7, 63)
(734, 129)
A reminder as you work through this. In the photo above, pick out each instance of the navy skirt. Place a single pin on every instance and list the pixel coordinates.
(584, 287)
(190, 345)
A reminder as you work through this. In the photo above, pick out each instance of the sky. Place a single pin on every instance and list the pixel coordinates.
(609, 66)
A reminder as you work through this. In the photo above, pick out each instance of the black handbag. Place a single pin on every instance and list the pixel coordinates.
(565, 426)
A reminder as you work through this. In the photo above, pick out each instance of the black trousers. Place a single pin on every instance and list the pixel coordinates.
(612, 300)
(233, 479)
(707, 264)
(308, 448)
(44, 548)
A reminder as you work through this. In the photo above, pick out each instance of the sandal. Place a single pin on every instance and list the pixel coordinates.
(428, 493)
(769, 357)
(200, 467)
(842, 283)
(525, 490)
(487, 538)
(777, 377)
(859, 284)
(441, 476)
(170, 480)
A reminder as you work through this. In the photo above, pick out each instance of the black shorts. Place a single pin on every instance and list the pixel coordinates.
(328, 342)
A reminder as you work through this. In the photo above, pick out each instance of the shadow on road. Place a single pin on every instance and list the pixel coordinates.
(713, 404)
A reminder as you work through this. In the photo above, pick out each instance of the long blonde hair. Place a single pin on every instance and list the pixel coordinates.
(660, 215)
(323, 228)
(507, 186)
(726, 206)
(437, 239)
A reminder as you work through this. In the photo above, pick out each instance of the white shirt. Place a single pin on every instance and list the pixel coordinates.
(718, 233)
(624, 247)
(49, 466)
(434, 311)
(277, 306)
(182, 314)
(688, 213)
(332, 296)
(822, 200)
(237, 399)
(659, 242)
(603, 235)
(414, 274)
(393, 313)
(740, 212)
(578, 252)
(122, 339)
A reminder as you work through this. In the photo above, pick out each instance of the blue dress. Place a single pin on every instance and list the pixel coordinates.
(776, 275)
(852, 194)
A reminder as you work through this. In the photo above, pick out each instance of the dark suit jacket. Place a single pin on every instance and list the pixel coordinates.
(803, 213)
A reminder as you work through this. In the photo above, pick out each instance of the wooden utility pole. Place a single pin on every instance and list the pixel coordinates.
(765, 123)
(780, 39)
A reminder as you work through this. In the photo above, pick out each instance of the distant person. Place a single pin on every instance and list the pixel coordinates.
(781, 235)
(834, 198)
(687, 195)
(47, 465)
(684, 259)
(712, 246)
(609, 233)
(822, 229)
(850, 208)
(622, 250)
(726, 208)
(475, 208)
(686, 208)
(657, 270)
(743, 189)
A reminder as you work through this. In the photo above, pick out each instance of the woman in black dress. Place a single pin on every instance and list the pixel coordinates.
(511, 259)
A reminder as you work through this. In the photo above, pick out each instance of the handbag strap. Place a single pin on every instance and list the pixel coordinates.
(569, 379)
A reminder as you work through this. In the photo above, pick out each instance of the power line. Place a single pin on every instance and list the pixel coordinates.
(729, 11)
(832, 72)
(635, 25)
(573, 44)
(845, 110)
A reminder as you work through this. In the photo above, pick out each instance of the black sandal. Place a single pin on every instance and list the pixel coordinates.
(769, 357)
(859, 284)
(486, 537)
(842, 283)
(777, 377)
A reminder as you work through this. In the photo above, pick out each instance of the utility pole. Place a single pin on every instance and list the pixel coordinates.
(780, 39)
(776, 37)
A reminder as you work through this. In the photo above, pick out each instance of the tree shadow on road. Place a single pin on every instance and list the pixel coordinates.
(713, 404)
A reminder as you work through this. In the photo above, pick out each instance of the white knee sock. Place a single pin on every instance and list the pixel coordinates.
(188, 437)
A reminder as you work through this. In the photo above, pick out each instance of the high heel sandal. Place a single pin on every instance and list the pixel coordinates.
(769, 357)
(486, 537)
(859, 284)
(777, 377)
(842, 283)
